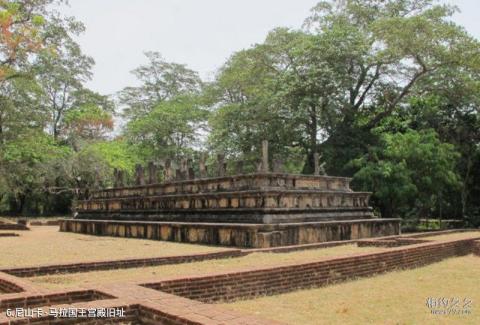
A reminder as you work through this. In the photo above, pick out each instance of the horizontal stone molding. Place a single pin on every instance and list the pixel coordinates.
(230, 200)
(234, 183)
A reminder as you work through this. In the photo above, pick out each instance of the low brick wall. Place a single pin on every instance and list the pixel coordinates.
(476, 247)
(9, 287)
(131, 316)
(258, 282)
(118, 264)
(13, 226)
(53, 299)
(394, 242)
(8, 234)
(239, 235)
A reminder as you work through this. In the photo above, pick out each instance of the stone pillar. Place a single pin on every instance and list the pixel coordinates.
(183, 170)
(221, 165)
(168, 171)
(139, 175)
(316, 163)
(265, 168)
(278, 166)
(178, 174)
(190, 171)
(120, 178)
(319, 168)
(96, 179)
(202, 166)
(115, 178)
(152, 173)
(239, 167)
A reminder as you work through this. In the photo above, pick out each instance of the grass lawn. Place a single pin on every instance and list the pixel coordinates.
(46, 245)
(393, 298)
(457, 235)
(197, 268)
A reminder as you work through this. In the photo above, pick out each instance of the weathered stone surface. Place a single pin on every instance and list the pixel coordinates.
(240, 235)
(221, 165)
(262, 209)
(139, 175)
(152, 173)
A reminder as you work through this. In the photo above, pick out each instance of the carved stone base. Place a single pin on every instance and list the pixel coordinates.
(237, 234)
(254, 216)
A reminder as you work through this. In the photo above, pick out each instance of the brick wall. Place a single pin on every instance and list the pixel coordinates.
(476, 247)
(249, 284)
(9, 287)
(119, 264)
(53, 299)
(13, 226)
(8, 234)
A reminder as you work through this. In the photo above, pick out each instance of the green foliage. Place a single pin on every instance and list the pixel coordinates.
(409, 172)
(171, 129)
(116, 154)
(87, 122)
(26, 168)
(160, 81)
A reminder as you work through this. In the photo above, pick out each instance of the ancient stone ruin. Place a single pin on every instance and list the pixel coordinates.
(265, 208)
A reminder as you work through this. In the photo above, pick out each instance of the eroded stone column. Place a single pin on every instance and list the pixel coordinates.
(319, 168)
(239, 167)
(152, 173)
(316, 163)
(202, 166)
(265, 168)
(168, 170)
(190, 171)
(278, 166)
(139, 175)
(221, 165)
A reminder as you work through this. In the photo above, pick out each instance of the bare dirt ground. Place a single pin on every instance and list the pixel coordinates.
(46, 245)
(197, 268)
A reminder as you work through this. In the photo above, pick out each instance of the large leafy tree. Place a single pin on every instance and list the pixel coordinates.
(355, 64)
(160, 81)
(172, 129)
(409, 173)
(61, 76)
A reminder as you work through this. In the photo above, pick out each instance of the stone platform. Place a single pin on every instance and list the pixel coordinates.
(261, 209)
(237, 234)
(265, 198)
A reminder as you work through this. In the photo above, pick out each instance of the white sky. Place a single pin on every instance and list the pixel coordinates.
(199, 33)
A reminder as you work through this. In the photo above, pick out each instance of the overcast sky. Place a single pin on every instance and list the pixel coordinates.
(199, 33)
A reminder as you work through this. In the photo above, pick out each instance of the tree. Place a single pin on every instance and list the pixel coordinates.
(25, 169)
(88, 122)
(160, 81)
(172, 129)
(62, 76)
(356, 64)
(21, 27)
(409, 173)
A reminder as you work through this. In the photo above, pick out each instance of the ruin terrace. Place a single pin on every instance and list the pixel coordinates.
(261, 209)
